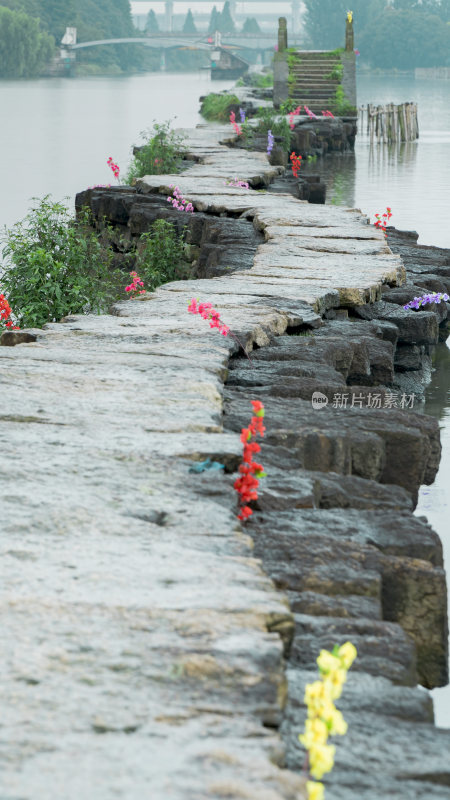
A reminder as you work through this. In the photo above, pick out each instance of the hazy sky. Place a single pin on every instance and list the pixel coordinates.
(179, 7)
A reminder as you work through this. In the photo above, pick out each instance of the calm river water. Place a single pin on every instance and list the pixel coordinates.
(56, 134)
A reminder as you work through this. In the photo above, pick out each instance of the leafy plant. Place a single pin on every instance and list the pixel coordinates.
(55, 265)
(247, 133)
(160, 255)
(269, 121)
(263, 81)
(336, 73)
(341, 106)
(288, 106)
(217, 106)
(161, 155)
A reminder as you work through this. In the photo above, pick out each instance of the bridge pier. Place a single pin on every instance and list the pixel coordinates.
(168, 7)
(162, 61)
(295, 6)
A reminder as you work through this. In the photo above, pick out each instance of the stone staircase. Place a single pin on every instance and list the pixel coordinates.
(313, 84)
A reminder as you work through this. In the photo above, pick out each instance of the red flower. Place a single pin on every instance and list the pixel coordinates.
(250, 471)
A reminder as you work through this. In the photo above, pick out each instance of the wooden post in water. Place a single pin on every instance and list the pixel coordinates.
(391, 123)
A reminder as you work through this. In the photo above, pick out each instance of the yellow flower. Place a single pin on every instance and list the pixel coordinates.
(337, 724)
(316, 694)
(316, 791)
(328, 662)
(321, 759)
(334, 682)
(316, 732)
(347, 653)
(350, 16)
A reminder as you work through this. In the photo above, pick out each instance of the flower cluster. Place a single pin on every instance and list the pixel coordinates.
(296, 162)
(292, 114)
(236, 127)
(270, 142)
(250, 472)
(100, 186)
(236, 182)
(114, 167)
(328, 114)
(207, 311)
(178, 201)
(324, 719)
(5, 315)
(382, 220)
(133, 288)
(310, 113)
(434, 297)
(242, 114)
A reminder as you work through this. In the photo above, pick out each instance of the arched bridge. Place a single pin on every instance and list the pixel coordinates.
(158, 42)
(162, 41)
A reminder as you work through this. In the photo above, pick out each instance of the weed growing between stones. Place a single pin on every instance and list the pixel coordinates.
(310, 114)
(114, 168)
(207, 311)
(217, 106)
(434, 297)
(296, 162)
(237, 183)
(383, 219)
(133, 289)
(5, 315)
(54, 265)
(233, 122)
(161, 155)
(160, 255)
(178, 201)
(250, 472)
(268, 120)
(324, 719)
(292, 114)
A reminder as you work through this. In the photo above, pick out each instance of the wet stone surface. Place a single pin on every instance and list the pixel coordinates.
(145, 632)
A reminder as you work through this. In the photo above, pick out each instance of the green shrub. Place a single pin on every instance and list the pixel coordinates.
(336, 73)
(55, 265)
(288, 106)
(340, 105)
(269, 121)
(161, 155)
(215, 106)
(160, 256)
(263, 81)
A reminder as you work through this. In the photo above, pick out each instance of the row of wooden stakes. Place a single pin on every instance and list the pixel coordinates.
(390, 123)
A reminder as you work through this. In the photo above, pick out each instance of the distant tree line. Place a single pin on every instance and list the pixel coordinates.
(400, 34)
(26, 32)
(219, 21)
(24, 47)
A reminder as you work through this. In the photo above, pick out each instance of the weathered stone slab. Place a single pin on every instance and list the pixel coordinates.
(145, 642)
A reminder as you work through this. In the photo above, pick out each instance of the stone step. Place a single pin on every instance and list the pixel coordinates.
(324, 62)
(314, 91)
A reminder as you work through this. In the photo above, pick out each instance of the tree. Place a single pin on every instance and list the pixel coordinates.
(24, 48)
(225, 22)
(214, 20)
(325, 20)
(407, 39)
(189, 24)
(251, 26)
(151, 25)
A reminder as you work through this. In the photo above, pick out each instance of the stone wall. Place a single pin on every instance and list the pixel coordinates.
(148, 633)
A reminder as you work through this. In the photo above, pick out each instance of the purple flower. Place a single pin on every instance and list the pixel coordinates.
(434, 297)
(242, 114)
(270, 142)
